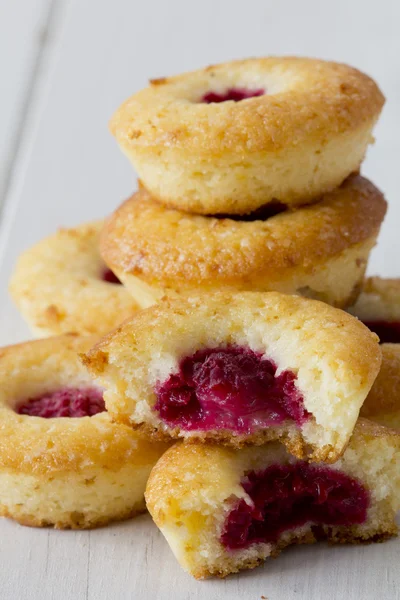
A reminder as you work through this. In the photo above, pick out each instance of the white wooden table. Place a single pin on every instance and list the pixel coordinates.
(65, 66)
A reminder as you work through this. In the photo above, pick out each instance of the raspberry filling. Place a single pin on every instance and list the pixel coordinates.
(229, 388)
(109, 276)
(66, 402)
(389, 333)
(235, 94)
(287, 496)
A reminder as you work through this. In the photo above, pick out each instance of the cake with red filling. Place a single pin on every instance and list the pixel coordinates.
(223, 510)
(240, 369)
(66, 401)
(63, 462)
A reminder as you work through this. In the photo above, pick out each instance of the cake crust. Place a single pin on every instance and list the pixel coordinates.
(344, 357)
(66, 472)
(57, 285)
(192, 522)
(169, 251)
(306, 132)
(347, 97)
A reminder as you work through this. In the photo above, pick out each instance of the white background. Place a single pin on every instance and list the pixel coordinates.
(65, 66)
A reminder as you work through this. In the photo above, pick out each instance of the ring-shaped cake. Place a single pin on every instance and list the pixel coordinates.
(63, 462)
(319, 251)
(62, 285)
(236, 136)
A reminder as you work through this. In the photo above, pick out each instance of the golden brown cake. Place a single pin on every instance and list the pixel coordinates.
(383, 402)
(224, 510)
(378, 306)
(240, 369)
(62, 461)
(233, 137)
(62, 285)
(319, 251)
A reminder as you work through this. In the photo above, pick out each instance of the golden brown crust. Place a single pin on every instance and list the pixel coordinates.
(301, 311)
(309, 99)
(32, 445)
(330, 535)
(306, 134)
(252, 563)
(74, 520)
(165, 474)
(289, 436)
(57, 285)
(18, 451)
(179, 250)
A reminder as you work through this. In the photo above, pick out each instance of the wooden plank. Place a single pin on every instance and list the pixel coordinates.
(30, 98)
(41, 564)
(76, 173)
(22, 36)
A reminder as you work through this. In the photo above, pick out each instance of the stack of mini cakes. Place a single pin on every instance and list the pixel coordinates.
(263, 391)
(251, 229)
(249, 181)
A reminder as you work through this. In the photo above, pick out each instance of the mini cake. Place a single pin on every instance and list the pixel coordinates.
(62, 285)
(383, 402)
(378, 306)
(239, 369)
(233, 137)
(62, 461)
(320, 251)
(223, 510)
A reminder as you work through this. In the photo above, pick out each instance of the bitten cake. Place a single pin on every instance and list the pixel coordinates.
(378, 306)
(62, 461)
(319, 251)
(383, 402)
(240, 368)
(62, 285)
(223, 510)
(236, 136)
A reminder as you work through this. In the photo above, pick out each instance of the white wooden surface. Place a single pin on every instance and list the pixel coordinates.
(21, 41)
(65, 66)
